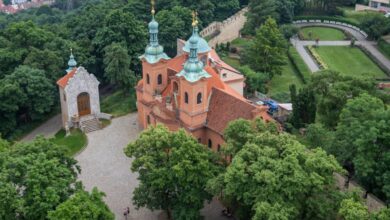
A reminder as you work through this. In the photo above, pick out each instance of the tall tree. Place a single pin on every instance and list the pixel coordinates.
(117, 66)
(274, 175)
(362, 138)
(267, 52)
(34, 178)
(304, 107)
(173, 171)
(259, 12)
(83, 205)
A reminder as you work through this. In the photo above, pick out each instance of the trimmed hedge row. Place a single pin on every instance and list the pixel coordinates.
(328, 18)
(299, 65)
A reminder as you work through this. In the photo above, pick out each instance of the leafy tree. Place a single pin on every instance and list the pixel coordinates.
(333, 90)
(318, 136)
(295, 183)
(34, 178)
(174, 23)
(259, 12)
(236, 134)
(36, 88)
(83, 205)
(288, 30)
(362, 138)
(304, 107)
(47, 60)
(376, 25)
(173, 171)
(353, 210)
(117, 66)
(224, 9)
(254, 81)
(11, 97)
(267, 52)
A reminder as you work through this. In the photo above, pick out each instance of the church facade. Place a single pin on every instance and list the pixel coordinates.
(195, 90)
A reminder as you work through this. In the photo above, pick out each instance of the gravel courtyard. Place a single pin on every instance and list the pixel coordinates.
(104, 165)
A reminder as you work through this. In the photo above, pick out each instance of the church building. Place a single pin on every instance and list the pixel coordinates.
(195, 90)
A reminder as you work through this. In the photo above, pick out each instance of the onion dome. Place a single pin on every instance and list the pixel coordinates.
(72, 62)
(203, 46)
(154, 52)
(194, 68)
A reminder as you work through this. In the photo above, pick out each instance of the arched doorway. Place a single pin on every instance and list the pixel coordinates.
(83, 104)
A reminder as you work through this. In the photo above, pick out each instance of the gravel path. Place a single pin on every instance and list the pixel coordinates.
(104, 165)
(47, 129)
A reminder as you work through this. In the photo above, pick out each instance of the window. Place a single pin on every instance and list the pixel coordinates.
(148, 119)
(64, 97)
(186, 97)
(159, 79)
(224, 75)
(199, 98)
(219, 148)
(210, 144)
(147, 79)
(200, 140)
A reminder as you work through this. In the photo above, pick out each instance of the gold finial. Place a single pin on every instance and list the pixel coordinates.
(153, 4)
(194, 18)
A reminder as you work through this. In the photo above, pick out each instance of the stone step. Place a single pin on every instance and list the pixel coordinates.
(91, 125)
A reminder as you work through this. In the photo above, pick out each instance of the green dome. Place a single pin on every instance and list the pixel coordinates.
(153, 26)
(154, 50)
(71, 63)
(203, 46)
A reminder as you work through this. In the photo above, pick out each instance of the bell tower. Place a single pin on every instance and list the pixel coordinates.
(154, 63)
(193, 84)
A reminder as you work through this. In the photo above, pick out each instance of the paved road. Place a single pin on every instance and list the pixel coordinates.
(104, 165)
(47, 129)
(361, 40)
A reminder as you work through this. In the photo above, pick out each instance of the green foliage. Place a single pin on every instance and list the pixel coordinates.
(119, 103)
(175, 24)
(304, 106)
(353, 210)
(259, 12)
(254, 81)
(384, 47)
(83, 205)
(333, 90)
(173, 171)
(376, 25)
(35, 178)
(117, 66)
(318, 136)
(295, 183)
(362, 138)
(288, 30)
(267, 52)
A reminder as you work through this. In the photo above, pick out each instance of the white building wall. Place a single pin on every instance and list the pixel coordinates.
(81, 82)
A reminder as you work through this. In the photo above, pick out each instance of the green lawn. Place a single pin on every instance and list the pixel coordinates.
(349, 61)
(279, 85)
(322, 33)
(74, 142)
(235, 63)
(240, 42)
(119, 104)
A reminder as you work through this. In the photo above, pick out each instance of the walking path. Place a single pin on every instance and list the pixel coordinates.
(105, 166)
(370, 46)
(47, 129)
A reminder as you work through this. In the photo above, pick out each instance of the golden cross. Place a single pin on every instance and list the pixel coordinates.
(153, 3)
(194, 18)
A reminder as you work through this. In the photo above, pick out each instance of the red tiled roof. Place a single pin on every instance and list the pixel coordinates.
(64, 80)
(177, 63)
(216, 82)
(216, 58)
(224, 108)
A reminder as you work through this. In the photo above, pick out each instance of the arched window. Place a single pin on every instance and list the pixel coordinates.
(199, 98)
(159, 79)
(148, 119)
(147, 79)
(210, 144)
(186, 97)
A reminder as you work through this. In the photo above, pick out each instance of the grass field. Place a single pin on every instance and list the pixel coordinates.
(349, 61)
(322, 33)
(280, 84)
(119, 104)
(74, 142)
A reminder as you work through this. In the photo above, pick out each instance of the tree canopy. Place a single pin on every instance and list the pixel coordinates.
(173, 171)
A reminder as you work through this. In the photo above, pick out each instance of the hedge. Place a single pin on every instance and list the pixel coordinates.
(299, 65)
(328, 18)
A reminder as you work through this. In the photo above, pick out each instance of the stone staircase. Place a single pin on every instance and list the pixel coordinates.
(90, 124)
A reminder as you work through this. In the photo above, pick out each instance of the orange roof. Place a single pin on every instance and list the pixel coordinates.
(216, 58)
(216, 82)
(64, 80)
(177, 63)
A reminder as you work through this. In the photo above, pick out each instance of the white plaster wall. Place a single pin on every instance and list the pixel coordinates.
(81, 82)
(238, 86)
